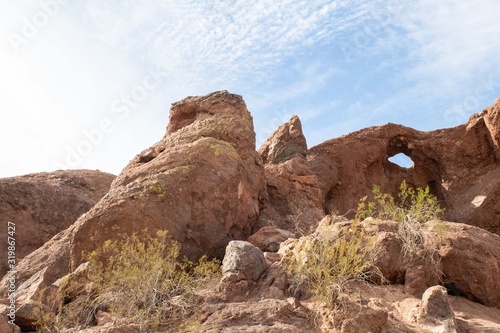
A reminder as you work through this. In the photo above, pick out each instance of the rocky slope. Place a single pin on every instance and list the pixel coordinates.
(205, 183)
(43, 204)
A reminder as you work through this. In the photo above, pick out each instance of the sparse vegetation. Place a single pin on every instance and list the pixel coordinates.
(324, 266)
(138, 280)
(413, 210)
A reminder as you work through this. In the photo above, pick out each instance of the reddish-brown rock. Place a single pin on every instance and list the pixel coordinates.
(206, 185)
(269, 238)
(202, 182)
(458, 164)
(471, 263)
(286, 142)
(204, 190)
(294, 197)
(43, 204)
(436, 314)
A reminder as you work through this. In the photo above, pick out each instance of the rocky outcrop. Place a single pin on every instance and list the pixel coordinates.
(43, 204)
(286, 142)
(207, 186)
(202, 183)
(460, 165)
(470, 263)
(294, 196)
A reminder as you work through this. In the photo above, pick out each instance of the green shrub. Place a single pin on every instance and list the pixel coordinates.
(414, 208)
(325, 266)
(139, 279)
(418, 205)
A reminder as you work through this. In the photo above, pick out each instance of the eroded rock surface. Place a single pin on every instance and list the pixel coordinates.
(460, 165)
(205, 183)
(43, 204)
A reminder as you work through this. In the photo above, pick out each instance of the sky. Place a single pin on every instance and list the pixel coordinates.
(89, 84)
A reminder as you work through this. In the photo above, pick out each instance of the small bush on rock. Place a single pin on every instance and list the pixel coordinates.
(324, 266)
(138, 280)
(414, 208)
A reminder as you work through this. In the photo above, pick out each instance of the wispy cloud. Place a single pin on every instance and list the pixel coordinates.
(453, 38)
(438, 55)
(223, 42)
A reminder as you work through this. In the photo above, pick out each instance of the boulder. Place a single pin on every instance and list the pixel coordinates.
(202, 183)
(367, 319)
(436, 314)
(268, 239)
(470, 262)
(41, 205)
(245, 259)
(468, 257)
(286, 142)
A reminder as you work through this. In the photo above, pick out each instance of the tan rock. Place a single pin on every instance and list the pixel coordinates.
(242, 257)
(368, 319)
(258, 316)
(436, 314)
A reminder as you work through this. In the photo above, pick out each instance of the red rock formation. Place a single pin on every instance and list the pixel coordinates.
(205, 183)
(43, 204)
(202, 182)
(294, 197)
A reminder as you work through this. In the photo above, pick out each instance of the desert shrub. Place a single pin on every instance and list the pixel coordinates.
(414, 207)
(324, 266)
(139, 279)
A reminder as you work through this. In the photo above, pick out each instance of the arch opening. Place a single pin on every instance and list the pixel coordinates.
(402, 160)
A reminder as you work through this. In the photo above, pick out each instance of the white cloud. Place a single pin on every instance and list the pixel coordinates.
(453, 38)
(223, 42)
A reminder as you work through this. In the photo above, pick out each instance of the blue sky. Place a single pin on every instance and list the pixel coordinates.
(88, 84)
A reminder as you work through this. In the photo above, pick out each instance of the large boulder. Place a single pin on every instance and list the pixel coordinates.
(470, 262)
(245, 259)
(202, 183)
(41, 205)
(467, 259)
